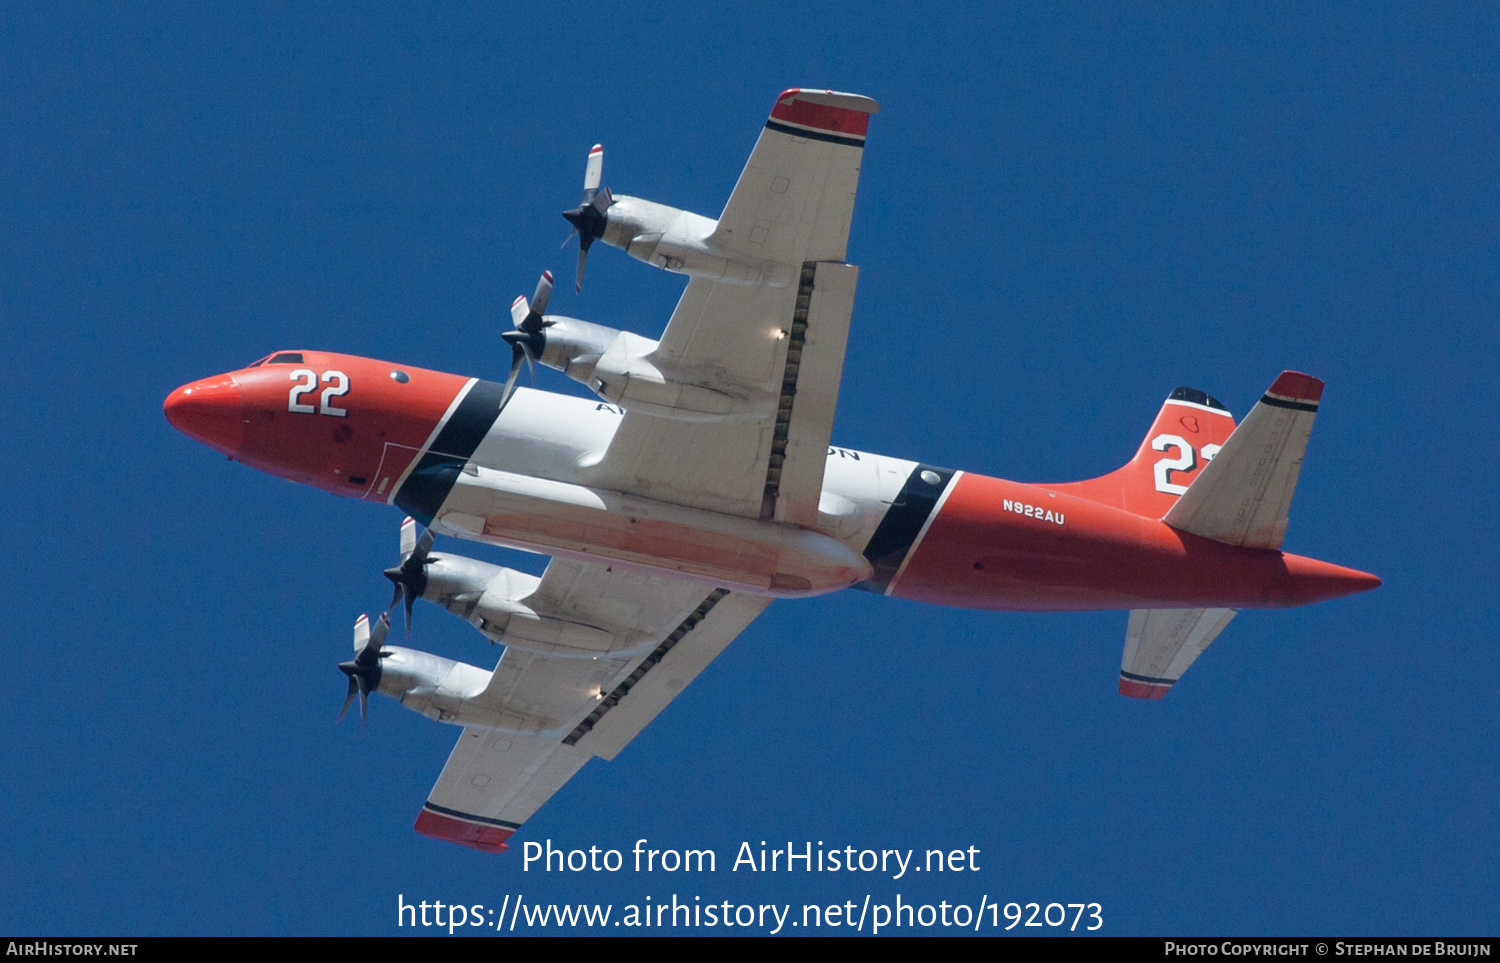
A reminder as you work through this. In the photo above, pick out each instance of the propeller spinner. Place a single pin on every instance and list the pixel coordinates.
(364, 669)
(410, 576)
(589, 217)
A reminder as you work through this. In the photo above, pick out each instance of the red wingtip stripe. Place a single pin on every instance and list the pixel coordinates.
(835, 120)
(596, 149)
(1142, 690)
(486, 839)
(1295, 384)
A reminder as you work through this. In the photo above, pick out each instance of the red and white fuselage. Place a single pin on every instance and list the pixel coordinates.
(438, 446)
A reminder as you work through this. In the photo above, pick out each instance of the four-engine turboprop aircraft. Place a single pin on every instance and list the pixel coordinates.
(701, 485)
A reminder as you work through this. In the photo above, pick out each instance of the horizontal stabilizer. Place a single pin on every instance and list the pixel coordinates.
(1160, 644)
(1243, 496)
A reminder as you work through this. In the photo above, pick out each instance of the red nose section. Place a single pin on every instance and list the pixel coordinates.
(211, 411)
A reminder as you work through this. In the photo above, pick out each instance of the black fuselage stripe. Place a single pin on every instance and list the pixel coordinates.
(815, 134)
(428, 485)
(903, 522)
(469, 817)
(1294, 405)
(470, 423)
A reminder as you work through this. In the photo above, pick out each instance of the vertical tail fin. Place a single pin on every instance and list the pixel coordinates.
(1187, 433)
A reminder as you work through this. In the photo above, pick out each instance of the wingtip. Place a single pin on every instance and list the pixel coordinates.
(831, 98)
(825, 110)
(1142, 690)
(485, 838)
(1297, 386)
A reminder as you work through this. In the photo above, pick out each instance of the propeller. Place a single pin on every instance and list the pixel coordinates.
(364, 669)
(410, 576)
(526, 342)
(589, 217)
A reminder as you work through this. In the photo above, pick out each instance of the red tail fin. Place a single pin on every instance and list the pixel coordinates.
(1187, 433)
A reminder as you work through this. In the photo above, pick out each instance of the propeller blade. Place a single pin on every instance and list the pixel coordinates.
(408, 537)
(410, 577)
(378, 634)
(543, 294)
(526, 317)
(364, 669)
(353, 688)
(594, 172)
(517, 355)
(590, 217)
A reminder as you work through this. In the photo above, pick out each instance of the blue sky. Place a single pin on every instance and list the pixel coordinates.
(1064, 213)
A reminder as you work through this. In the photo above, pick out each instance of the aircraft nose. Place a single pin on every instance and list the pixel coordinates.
(211, 411)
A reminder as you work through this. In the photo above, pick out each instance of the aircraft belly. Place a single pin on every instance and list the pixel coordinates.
(589, 524)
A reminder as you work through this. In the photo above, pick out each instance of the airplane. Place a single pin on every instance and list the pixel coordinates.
(700, 485)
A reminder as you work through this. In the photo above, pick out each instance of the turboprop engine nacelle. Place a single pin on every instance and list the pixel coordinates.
(452, 692)
(574, 347)
(436, 687)
(495, 601)
(620, 367)
(681, 242)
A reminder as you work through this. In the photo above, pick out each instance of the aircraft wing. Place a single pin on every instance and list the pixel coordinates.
(778, 343)
(569, 709)
(795, 196)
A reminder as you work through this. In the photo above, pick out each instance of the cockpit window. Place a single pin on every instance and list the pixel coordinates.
(257, 364)
(286, 357)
